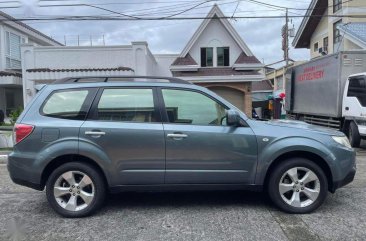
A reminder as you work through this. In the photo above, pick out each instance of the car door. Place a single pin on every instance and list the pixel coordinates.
(126, 126)
(200, 147)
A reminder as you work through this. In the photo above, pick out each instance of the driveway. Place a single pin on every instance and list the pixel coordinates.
(25, 214)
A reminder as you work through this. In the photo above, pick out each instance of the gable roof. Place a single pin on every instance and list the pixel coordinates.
(308, 24)
(244, 59)
(216, 12)
(187, 60)
(26, 28)
(356, 32)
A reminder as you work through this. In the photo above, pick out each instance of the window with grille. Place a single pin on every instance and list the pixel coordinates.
(206, 57)
(336, 33)
(223, 56)
(12, 46)
(337, 5)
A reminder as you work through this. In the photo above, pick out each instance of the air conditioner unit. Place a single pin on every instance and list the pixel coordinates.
(323, 50)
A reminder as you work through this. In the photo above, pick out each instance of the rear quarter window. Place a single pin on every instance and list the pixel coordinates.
(67, 104)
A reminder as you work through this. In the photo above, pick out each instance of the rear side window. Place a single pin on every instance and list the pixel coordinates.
(69, 104)
(126, 105)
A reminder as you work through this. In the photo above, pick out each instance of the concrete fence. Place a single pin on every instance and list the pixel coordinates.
(6, 138)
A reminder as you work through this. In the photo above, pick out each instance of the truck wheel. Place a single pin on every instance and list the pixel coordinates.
(353, 135)
(297, 185)
(75, 190)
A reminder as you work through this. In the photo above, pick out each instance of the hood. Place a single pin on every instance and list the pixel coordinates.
(305, 126)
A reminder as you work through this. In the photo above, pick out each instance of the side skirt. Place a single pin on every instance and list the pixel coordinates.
(184, 187)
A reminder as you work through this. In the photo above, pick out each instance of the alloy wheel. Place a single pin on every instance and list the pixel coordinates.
(299, 187)
(74, 190)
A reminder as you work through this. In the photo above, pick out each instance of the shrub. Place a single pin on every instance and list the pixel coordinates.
(14, 114)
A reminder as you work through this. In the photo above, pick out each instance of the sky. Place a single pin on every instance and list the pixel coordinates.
(263, 36)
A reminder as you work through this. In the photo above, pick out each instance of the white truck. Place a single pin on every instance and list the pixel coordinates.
(330, 91)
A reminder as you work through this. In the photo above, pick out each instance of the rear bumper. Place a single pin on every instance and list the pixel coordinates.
(22, 174)
(348, 179)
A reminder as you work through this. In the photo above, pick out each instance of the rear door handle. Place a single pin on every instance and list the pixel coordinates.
(95, 133)
(177, 136)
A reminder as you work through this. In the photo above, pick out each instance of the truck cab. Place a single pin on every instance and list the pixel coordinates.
(354, 108)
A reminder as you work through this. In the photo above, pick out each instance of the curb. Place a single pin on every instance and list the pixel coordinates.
(3, 159)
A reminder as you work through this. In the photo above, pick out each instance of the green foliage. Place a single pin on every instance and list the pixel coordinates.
(15, 114)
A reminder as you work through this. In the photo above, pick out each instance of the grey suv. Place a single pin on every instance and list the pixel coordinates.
(83, 137)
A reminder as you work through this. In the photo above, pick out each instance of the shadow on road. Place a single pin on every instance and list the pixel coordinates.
(186, 199)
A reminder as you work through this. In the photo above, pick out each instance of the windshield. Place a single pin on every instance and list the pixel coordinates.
(357, 88)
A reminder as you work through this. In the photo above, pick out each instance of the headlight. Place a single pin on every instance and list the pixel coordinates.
(343, 140)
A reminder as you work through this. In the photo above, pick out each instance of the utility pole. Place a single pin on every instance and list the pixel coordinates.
(286, 50)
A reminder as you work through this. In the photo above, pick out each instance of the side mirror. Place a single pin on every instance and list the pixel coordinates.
(232, 118)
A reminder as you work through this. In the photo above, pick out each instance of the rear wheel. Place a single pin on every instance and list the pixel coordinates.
(75, 190)
(298, 186)
(353, 135)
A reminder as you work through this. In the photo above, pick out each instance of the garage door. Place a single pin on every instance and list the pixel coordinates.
(234, 96)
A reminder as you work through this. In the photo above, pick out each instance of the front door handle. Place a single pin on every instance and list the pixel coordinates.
(347, 108)
(95, 133)
(177, 136)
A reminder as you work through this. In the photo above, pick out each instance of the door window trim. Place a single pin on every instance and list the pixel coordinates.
(93, 113)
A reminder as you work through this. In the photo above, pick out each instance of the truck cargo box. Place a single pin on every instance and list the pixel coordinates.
(316, 87)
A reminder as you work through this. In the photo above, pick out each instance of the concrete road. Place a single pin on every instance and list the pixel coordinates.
(25, 215)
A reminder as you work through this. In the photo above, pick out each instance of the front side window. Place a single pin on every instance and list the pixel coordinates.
(337, 5)
(206, 57)
(316, 47)
(66, 104)
(126, 105)
(12, 46)
(336, 33)
(357, 88)
(189, 107)
(223, 56)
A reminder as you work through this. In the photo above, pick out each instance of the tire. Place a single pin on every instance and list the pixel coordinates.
(353, 135)
(280, 176)
(79, 196)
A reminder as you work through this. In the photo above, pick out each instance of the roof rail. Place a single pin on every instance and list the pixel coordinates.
(123, 78)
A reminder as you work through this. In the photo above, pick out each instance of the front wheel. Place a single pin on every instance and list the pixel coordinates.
(75, 190)
(298, 185)
(353, 135)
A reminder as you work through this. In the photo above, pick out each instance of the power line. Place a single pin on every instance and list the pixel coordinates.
(82, 18)
(284, 7)
(191, 8)
(237, 5)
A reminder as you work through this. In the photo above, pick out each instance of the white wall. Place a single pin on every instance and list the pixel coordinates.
(83, 57)
(215, 35)
(163, 63)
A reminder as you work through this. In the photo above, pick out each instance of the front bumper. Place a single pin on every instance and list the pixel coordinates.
(346, 180)
(362, 130)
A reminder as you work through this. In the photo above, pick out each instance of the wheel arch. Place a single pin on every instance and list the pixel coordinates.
(302, 154)
(60, 160)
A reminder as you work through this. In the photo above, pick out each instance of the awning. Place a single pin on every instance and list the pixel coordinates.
(260, 96)
(53, 74)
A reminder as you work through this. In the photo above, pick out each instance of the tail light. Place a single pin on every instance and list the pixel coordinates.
(21, 131)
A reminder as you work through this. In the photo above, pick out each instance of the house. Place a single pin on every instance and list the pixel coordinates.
(12, 35)
(215, 57)
(326, 35)
(261, 90)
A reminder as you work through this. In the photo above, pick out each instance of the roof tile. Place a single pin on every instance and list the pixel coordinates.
(244, 59)
(187, 60)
